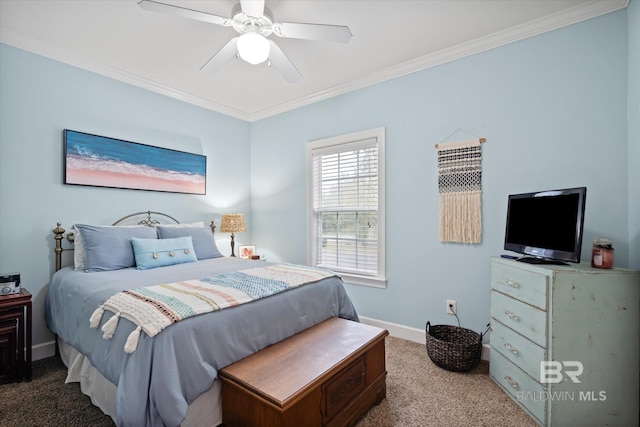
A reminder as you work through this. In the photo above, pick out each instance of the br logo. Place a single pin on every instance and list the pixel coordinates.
(552, 371)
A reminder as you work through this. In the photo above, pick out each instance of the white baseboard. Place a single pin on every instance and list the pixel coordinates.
(396, 330)
(44, 350)
(409, 333)
(486, 349)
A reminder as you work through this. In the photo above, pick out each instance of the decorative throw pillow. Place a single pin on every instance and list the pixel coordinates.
(108, 247)
(152, 253)
(203, 241)
(79, 252)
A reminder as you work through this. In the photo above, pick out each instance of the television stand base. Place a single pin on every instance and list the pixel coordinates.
(542, 261)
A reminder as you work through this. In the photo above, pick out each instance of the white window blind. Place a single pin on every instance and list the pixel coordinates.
(346, 190)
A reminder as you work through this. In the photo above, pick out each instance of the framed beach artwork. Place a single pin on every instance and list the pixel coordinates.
(100, 161)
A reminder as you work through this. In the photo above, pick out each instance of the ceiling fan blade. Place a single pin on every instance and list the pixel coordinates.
(155, 6)
(332, 33)
(227, 52)
(280, 61)
(253, 8)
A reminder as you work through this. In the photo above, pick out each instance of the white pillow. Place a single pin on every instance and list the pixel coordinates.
(79, 252)
(193, 224)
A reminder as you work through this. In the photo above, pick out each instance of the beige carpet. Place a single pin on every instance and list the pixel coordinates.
(419, 394)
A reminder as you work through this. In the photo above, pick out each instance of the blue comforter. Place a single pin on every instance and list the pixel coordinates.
(166, 373)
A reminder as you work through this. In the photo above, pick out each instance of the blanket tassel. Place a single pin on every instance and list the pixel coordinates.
(132, 342)
(96, 317)
(109, 328)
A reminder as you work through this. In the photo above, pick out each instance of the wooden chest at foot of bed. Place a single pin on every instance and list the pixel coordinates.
(327, 375)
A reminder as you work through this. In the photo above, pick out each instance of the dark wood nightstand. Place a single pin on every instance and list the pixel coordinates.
(15, 337)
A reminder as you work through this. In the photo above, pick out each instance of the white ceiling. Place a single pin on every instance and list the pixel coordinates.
(164, 53)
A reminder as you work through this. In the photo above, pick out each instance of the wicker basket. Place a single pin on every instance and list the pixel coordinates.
(453, 348)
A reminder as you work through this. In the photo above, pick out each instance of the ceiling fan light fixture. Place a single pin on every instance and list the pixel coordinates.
(253, 48)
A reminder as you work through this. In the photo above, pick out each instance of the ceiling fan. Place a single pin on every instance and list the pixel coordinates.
(254, 22)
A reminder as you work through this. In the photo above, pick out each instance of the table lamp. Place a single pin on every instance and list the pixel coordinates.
(233, 223)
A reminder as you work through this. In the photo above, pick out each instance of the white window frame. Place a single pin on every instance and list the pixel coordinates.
(334, 144)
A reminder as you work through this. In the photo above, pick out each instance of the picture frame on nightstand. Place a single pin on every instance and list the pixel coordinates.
(246, 251)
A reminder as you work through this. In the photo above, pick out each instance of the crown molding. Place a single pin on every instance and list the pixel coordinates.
(35, 46)
(578, 13)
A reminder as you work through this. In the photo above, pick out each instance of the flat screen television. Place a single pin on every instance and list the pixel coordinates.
(546, 226)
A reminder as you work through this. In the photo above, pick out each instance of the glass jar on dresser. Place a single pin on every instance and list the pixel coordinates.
(565, 341)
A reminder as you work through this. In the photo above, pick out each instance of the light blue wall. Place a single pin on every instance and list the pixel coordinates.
(633, 118)
(38, 99)
(553, 109)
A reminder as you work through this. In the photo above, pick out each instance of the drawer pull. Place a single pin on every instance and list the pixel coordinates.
(511, 348)
(512, 315)
(512, 283)
(511, 382)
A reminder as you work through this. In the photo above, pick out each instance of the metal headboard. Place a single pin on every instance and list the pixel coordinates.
(58, 250)
(149, 221)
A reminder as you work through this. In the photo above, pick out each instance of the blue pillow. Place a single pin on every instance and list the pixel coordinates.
(109, 248)
(203, 242)
(152, 253)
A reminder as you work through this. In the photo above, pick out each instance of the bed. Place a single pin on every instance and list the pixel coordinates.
(170, 379)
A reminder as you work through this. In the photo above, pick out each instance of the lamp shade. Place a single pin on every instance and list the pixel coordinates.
(233, 223)
(253, 48)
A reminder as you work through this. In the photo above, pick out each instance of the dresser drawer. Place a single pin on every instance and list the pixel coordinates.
(525, 390)
(524, 353)
(525, 319)
(524, 285)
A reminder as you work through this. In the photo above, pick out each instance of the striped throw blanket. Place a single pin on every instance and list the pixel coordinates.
(153, 308)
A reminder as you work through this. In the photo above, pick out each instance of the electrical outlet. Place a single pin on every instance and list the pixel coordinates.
(452, 307)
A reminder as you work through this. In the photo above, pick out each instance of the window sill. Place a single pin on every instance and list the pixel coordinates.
(354, 279)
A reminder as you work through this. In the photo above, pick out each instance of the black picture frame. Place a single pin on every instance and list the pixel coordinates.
(100, 161)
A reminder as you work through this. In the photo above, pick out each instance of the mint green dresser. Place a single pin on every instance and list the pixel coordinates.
(565, 342)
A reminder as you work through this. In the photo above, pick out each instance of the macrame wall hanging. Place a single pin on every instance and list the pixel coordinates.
(460, 190)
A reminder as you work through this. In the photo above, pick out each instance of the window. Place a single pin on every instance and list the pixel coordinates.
(345, 190)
